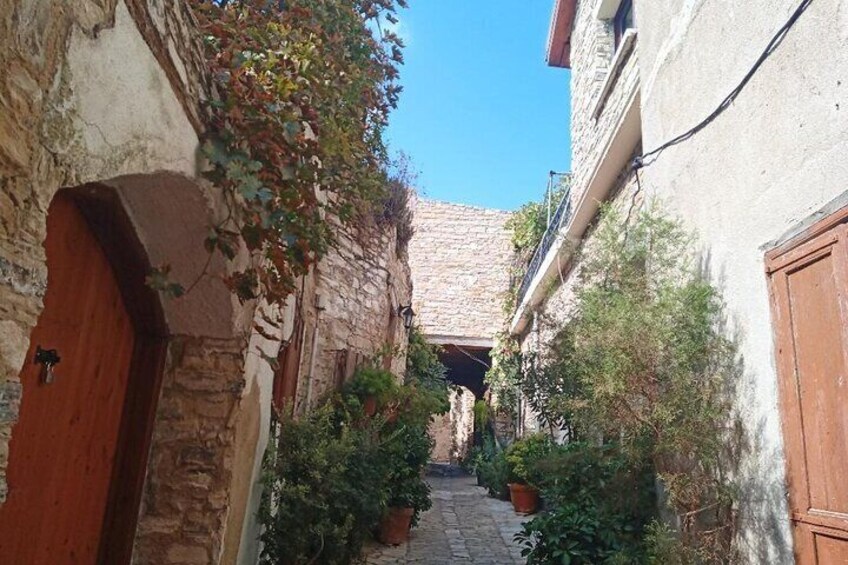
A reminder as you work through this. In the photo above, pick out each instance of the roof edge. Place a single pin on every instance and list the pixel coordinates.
(559, 35)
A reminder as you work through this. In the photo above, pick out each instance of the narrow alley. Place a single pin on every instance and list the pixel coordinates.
(463, 526)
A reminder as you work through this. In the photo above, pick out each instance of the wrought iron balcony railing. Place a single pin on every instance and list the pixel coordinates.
(559, 219)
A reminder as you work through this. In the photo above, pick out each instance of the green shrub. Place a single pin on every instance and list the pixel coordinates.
(597, 506)
(372, 381)
(325, 490)
(494, 474)
(523, 455)
(480, 454)
(329, 476)
(643, 362)
(406, 451)
(482, 415)
(426, 374)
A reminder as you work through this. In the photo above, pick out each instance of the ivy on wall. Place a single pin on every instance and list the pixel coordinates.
(302, 90)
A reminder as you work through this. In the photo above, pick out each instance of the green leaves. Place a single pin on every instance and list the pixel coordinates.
(303, 93)
(643, 362)
(160, 279)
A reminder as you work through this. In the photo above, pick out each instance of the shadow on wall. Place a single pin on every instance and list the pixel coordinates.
(753, 467)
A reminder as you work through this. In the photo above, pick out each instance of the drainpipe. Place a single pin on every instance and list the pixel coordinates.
(320, 305)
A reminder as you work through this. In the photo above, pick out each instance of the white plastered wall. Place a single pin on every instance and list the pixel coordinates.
(763, 167)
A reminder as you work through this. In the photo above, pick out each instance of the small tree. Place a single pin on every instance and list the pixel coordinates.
(644, 363)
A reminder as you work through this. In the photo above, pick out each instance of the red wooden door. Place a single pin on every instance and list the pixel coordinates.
(62, 451)
(809, 285)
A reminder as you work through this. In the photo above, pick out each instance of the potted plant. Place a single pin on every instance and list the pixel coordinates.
(406, 451)
(521, 458)
(408, 498)
(372, 386)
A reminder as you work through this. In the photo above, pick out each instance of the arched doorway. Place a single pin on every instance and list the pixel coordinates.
(79, 449)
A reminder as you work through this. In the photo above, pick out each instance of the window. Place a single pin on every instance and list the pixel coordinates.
(623, 20)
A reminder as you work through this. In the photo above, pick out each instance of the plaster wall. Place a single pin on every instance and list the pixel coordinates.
(770, 162)
(460, 258)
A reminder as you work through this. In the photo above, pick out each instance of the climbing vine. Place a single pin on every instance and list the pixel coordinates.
(302, 91)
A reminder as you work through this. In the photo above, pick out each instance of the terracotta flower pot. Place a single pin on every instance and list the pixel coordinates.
(370, 405)
(525, 499)
(394, 527)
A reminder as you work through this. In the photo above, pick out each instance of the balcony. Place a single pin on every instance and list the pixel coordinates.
(559, 219)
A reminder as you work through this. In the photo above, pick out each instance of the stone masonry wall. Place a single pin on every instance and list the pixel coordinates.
(592, 52)
(453, 431)
(53, 134)
(359, 286)
(107, 93)
(460, 258)
(187, 496)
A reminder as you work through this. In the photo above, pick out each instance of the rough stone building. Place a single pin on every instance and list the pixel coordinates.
(460, 258)
(763, 186)
(132, 426)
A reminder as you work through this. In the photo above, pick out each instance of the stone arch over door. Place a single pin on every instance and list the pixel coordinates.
(78, 452)
(191, 352)
(201, 416)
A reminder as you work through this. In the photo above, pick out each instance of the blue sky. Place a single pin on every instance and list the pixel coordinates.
(482, 116)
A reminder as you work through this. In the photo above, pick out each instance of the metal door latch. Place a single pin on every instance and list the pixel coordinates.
(47, 358)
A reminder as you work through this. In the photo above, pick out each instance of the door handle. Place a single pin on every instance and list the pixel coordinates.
(47, 358)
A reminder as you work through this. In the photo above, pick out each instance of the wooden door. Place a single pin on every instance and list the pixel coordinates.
(62, 451)
(809, 287)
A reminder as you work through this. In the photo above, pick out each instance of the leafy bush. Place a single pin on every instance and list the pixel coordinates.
(372, 381)
(494, 474)
(523, 455)
(597, 507)
(406, 451)
(480, 454)
(330, 476)
(303, 93)
(425, 371)
(482, 415)
(643, 362)
(324, 490)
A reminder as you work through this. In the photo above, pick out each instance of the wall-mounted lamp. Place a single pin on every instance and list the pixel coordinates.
(407, 313)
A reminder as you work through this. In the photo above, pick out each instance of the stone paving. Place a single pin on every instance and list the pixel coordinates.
(464, 526)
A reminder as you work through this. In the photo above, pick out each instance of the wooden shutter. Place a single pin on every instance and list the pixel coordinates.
(809, 292)
(288, 367)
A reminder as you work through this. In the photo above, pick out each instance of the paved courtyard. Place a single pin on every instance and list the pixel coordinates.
(464, 526)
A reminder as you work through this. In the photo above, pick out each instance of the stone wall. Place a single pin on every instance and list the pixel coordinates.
(82, 99)
(349, 308)
(360, 285)
(460, 258)
(453, 432)
(103, 97)
(594, 121)
(187, 497)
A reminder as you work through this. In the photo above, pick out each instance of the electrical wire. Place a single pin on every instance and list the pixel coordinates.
(651, 156)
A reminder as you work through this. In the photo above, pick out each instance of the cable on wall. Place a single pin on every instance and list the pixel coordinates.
(648, 158)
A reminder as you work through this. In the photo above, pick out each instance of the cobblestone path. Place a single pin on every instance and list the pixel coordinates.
(464, 526)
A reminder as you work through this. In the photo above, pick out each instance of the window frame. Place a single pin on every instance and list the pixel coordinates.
(619, 21)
